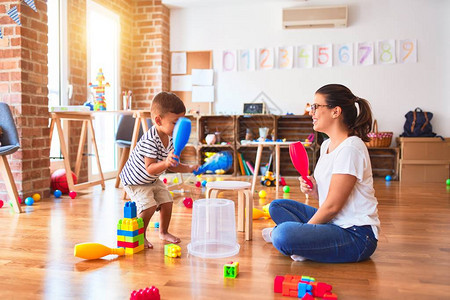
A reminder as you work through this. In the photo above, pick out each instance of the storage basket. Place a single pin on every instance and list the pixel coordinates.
(379, 139)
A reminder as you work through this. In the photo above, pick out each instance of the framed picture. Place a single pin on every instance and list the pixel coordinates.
(254, 108)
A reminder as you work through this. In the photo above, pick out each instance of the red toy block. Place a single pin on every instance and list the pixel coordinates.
(320, 288)
(146, 294)
(329, 296)
(188, 202)
(308, 297)
(278, 284)
(290, 285)
(127, 244)
(140, 230)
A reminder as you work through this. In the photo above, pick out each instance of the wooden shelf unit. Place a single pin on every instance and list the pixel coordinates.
(384, 161)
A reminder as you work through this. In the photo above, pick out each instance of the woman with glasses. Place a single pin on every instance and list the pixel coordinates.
(345, 226)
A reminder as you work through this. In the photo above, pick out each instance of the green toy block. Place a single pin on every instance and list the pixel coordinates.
(231, 270)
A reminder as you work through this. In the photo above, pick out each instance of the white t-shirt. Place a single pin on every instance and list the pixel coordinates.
(150, 145)
(350, 157)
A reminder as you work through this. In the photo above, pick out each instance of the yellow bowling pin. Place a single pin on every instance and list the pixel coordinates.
(95, 250)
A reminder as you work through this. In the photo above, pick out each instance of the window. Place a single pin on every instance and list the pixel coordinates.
(103, 30)
(57, 66)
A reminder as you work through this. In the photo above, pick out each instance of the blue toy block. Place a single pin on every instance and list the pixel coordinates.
(304, 288)
(128, 233)
(129, 210)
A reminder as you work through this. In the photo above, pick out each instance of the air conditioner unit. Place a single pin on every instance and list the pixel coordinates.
(315, 17)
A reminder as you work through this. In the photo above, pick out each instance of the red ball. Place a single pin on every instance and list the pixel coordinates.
(198, 184)
(1, 203)
(72, 194)
(59, 181)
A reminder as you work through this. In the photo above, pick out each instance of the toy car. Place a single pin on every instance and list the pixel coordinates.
(268, 179)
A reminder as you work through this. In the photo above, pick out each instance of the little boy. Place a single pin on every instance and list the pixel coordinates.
(152, 156)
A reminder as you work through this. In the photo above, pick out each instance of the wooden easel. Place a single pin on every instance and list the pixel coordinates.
(86, 118)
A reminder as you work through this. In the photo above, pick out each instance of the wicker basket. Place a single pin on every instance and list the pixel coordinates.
(379, 139)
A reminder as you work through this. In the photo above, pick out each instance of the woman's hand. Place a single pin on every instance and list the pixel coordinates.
(306, 189)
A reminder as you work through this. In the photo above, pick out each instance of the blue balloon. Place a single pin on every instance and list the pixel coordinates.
(57, 193)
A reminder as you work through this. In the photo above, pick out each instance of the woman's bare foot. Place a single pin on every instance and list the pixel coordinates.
(169, 238)
(147, 244)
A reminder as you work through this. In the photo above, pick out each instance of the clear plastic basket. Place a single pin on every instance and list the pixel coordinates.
(213, 231)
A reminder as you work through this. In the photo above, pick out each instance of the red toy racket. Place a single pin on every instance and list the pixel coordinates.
(300, 160)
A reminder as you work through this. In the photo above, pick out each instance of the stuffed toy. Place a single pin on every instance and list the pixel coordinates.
(307, 109)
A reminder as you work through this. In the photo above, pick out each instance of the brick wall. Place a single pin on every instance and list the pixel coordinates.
(144, 55)
(23, 85)
(151, 56)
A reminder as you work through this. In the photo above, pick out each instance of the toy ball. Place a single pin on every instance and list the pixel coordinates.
(448, 181)
(20, 200)
(187, 202)
(1, 203)
(72, 194)
(36, 197)
(282, 181)
(29, 201)
(175, 180)
(286, 189)
(59, 181)
(388, 178)
(198, 184)
(262, 194)
(57, 193)
(165, 180)
(204, 182)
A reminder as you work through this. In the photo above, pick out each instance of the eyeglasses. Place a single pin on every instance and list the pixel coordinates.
(315, 106)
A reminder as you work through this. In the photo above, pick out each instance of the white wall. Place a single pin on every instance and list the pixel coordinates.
(392, 89)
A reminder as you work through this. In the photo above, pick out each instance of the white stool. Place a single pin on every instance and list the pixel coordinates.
(244, 193)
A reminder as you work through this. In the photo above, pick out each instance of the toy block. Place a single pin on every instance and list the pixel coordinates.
(329, 296)
(320, 288)
(172, 250)
(303, 289)
(131, 251)
(290, 285)
(129, 210)
(278, 284)
(308, 279)
(141, 231)
(127, 244)
(153, 224)
(308, 296)
(131, 239)
(231, 270)
(146, 294)
(128, 233)
(130, 224)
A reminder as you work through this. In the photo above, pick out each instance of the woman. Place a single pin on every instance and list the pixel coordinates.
(345, 227)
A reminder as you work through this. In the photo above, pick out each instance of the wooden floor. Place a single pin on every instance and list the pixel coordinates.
(36, 252)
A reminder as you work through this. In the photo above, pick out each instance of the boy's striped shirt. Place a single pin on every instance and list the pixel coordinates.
(150, 145)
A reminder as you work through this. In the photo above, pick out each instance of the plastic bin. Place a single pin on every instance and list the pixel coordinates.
(213, 231)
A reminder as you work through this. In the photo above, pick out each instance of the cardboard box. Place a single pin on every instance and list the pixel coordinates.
(424, 148)
(424, 159)
(420, 172)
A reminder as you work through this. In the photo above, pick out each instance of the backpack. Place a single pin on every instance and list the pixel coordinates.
(418, 124)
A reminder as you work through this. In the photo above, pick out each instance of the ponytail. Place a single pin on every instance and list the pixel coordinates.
(363, 122)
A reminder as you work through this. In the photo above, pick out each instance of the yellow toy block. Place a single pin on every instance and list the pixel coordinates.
(172, 250)
(130, 224)
(131, 251)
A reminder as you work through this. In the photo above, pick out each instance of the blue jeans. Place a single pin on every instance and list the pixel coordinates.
(323, 242)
